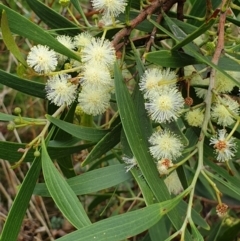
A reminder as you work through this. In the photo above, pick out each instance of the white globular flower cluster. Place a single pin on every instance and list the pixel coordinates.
(165, 144)
(223, 112)
(94, 71)
(153, 80)
(109, 8)
(195, 117)
(222, 83)
(225, 148)
(60, 90)
(98, 57)
(164, 102)
(98, 52)
(82, 39)
(165, 106)
(42, 59)
(67, 41)
(94, 100)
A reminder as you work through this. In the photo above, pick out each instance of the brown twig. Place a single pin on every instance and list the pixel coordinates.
(180, 6)
(209, 9)
(125, 32)
(215, 59)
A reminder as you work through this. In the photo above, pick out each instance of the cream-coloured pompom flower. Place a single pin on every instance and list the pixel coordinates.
(110, 7)
(224, 148)
(173, 183)
(67, 41)
(93, 75)
(94, 100)
(42, 59)
(82, 39)
(151, 80)
(165, 145)
(166, 106)
(60, 91)
(223, 84)
(195, 117)
(98, 52)
(221, 114)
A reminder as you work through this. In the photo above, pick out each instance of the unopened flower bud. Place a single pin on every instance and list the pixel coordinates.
(210, 46)
(228, 30)
(17, 111)
(17, 120)
(78, 110)
(37, 153)
(64, 3)
(95, 16)
(10, 126)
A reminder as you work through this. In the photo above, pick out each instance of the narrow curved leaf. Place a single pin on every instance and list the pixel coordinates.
(9, 40)
(110, 140)
(92, 181)
(62, 194)
(22, 26)
(9, 150)
(23, 85)
(192, 49)
(123, 226)
(53, 19)
(202, 29)
(81, 132)
(173, 59)
(17, 212)
(139, 145)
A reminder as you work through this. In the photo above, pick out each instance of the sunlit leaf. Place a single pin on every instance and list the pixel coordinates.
(62, 194)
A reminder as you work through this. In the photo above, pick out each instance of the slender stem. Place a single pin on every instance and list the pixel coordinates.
(218, 193)
(65, 71)
(183, 161)
(73, 17)
(233, 129)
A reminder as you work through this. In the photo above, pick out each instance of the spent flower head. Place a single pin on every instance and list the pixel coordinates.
(165, 145)
(222, 113)
(130, 163)
(224, 148)
(154, 79)
(42, 59)
(60, 91)
(221, 209)
(163, 166)
(94, 100)
(99, 52)
(166, 106)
